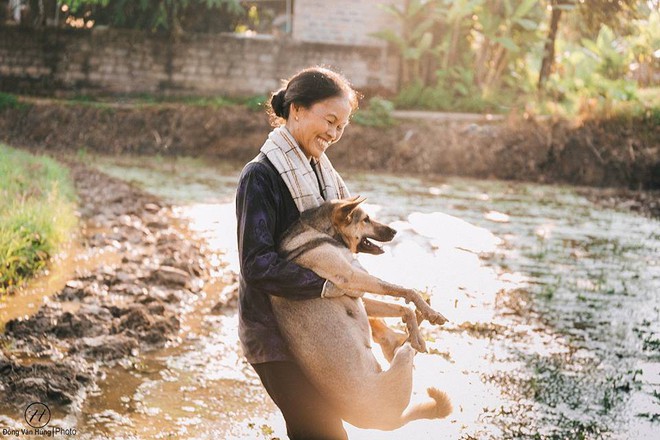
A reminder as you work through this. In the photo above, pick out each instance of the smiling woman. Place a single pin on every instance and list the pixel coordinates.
(290, 175)
(37, 215)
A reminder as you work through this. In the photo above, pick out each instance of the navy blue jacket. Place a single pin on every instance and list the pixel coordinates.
(264, 210)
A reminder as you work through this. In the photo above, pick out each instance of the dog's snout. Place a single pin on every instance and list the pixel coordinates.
(391, 232)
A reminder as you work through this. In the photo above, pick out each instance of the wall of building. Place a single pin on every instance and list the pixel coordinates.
(347, 22)
(108, 61)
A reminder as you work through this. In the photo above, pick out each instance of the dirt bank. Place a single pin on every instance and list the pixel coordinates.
(623, 153)
(111, 313)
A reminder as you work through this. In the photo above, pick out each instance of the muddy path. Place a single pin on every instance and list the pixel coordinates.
(135, 274)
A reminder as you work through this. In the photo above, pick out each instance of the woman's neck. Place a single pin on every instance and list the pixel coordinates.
(291, 132)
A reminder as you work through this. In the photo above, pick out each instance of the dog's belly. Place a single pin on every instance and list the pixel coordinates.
(329, 337)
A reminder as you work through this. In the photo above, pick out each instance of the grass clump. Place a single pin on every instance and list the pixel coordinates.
(37, 215)
(377, 114)
(8, 101)
(11, 102)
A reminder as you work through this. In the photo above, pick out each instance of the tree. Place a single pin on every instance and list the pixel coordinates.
(556, 8)
(169, 16)
(591, 15)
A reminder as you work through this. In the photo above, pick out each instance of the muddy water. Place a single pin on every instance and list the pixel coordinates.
(553, 305)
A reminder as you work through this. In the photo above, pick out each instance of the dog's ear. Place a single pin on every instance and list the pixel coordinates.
(345, 209)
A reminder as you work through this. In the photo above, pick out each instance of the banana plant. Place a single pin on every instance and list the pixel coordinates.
(457, 21)
(613, 61)
(505, 28)
(593, 69)
(413, 38)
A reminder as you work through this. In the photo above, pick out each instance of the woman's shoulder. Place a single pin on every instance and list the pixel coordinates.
(259, 167)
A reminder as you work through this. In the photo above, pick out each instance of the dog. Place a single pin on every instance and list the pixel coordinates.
(330, 338)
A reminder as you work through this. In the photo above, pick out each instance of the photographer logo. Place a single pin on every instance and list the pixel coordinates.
(37, 415)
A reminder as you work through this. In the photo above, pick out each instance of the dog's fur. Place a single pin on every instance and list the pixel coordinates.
(330, 337)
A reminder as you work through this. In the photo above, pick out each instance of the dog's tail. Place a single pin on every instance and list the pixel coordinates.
(438, 408)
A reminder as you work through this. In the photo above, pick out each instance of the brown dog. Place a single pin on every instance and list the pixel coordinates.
(330, 336)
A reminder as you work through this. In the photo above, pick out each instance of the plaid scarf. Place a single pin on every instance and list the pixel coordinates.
(303, 182)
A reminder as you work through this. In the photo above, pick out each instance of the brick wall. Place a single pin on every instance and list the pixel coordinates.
(342, 21)
(116, 61)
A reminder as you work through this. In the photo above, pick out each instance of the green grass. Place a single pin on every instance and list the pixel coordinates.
(253, 102)
(11, 102)
(37, 214)
(8, 101)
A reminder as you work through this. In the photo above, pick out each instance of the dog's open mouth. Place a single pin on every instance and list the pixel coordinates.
(369, 247)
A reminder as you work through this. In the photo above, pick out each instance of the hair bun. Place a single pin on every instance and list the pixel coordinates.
(277, 102)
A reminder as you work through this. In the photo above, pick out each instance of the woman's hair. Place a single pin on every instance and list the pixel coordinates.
(308, 87)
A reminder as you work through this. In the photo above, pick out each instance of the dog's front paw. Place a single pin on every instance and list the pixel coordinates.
(435, 317)
(415, 337)
(417, 342)
(424, 311)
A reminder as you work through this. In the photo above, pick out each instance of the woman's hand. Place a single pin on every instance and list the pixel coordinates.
(332, 291)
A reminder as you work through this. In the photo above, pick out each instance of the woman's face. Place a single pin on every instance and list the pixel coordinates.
(319, 126)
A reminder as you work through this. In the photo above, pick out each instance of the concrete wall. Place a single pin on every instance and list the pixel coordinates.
(129, 62)
(347, 22)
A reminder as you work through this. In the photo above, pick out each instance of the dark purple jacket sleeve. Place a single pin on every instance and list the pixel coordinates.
(259, 212)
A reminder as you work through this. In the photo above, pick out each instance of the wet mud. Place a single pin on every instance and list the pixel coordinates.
(112, 312)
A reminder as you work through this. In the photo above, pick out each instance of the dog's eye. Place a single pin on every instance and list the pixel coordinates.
(366, 219)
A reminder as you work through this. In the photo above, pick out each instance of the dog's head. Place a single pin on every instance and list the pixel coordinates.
(357, 229)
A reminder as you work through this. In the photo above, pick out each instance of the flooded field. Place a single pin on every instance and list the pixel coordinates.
(553, 305)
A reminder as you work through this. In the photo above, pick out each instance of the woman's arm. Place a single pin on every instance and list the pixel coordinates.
(261, 266)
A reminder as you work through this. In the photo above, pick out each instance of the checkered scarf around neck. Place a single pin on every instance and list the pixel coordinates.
(288, 158)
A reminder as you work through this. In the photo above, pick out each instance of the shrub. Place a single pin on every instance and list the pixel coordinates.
(256, 103)
(8, 101)
(377, 114)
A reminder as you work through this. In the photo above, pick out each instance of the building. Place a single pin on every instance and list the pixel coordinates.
(346, 22)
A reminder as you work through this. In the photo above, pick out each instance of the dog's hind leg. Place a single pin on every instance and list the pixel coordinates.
(391, 408)
(438, 407)
(388, 339)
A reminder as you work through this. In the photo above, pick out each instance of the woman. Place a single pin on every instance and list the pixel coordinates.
(291, 174)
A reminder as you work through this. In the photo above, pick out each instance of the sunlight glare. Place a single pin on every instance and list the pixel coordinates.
(454, 232)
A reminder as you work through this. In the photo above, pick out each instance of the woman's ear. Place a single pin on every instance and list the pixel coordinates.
(294, 110)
